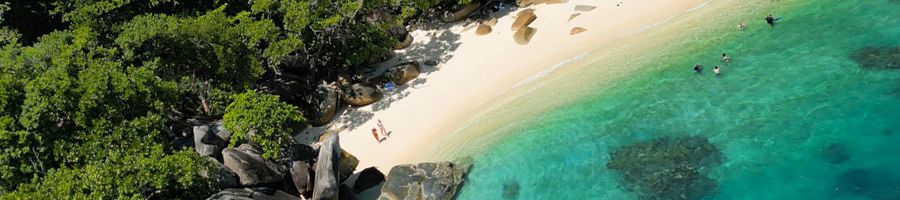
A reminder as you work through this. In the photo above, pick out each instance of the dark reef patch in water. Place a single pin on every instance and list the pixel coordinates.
(878, 57)
(667, 168)
(511, 190)
(835, 153)
(869, 183)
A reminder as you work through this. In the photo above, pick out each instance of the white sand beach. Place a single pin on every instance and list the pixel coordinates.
(473, 70)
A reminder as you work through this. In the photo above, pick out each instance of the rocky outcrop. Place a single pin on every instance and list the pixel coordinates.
(217, 172)
(324, 105)
(460, 12)
(300, 176)
(346, 193)
(210, 139)
(667, 168)
(878, 57)
(523, 19)
(432, 181)
(252, 194)
(250, 167)
(367, 178)
(347, 166)
(327, 164)
(402, 36)
(361, 94)
(403, 73)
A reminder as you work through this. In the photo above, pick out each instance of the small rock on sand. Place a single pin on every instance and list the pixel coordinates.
(483, 29)
(523, 35)
(584, 8)
(573, 16)
(577, 30)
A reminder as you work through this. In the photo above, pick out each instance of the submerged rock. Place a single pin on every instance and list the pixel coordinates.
(431, 181)
(869, 183)
(878, 57)
(835, 153)
(667, 168)
(511, 190)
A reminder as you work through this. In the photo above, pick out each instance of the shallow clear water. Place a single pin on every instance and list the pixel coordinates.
(789, 93)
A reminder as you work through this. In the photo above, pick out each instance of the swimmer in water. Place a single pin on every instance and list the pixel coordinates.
(741, 26)
(770, 20)
(725, 58)
(716, 70)
(698, 68)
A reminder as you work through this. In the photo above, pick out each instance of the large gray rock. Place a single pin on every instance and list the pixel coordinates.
(361, 94)
(347, 166)
(300, 176)
(327, 164)
(425, 181)
(206, 140)
(220, 174)
(251, 168)
(367, 178)
(346, 193)
(460, 12)
(252, 194)
(403, 73)
(325, 103)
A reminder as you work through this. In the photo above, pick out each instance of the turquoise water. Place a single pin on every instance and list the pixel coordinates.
(789, 93)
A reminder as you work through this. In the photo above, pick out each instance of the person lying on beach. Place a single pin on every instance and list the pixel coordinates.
(770, 20)
(716, 70)
(698, 68)
(375, 134)
(725, 58)
(381, 127)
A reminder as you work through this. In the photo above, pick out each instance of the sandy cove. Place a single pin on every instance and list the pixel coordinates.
(472, 70)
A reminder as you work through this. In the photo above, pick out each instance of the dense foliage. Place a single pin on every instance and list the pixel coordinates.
(96, 95)
(270, 120)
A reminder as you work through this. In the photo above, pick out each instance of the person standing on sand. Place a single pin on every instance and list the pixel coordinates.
(381, 126)
(770, 20)
(375, 134)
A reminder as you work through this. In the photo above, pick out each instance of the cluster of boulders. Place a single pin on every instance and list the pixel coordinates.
(878, 57)
(424, 181)
(667, 168)
(319, 172)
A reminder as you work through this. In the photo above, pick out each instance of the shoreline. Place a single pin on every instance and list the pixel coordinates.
(474, 71)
